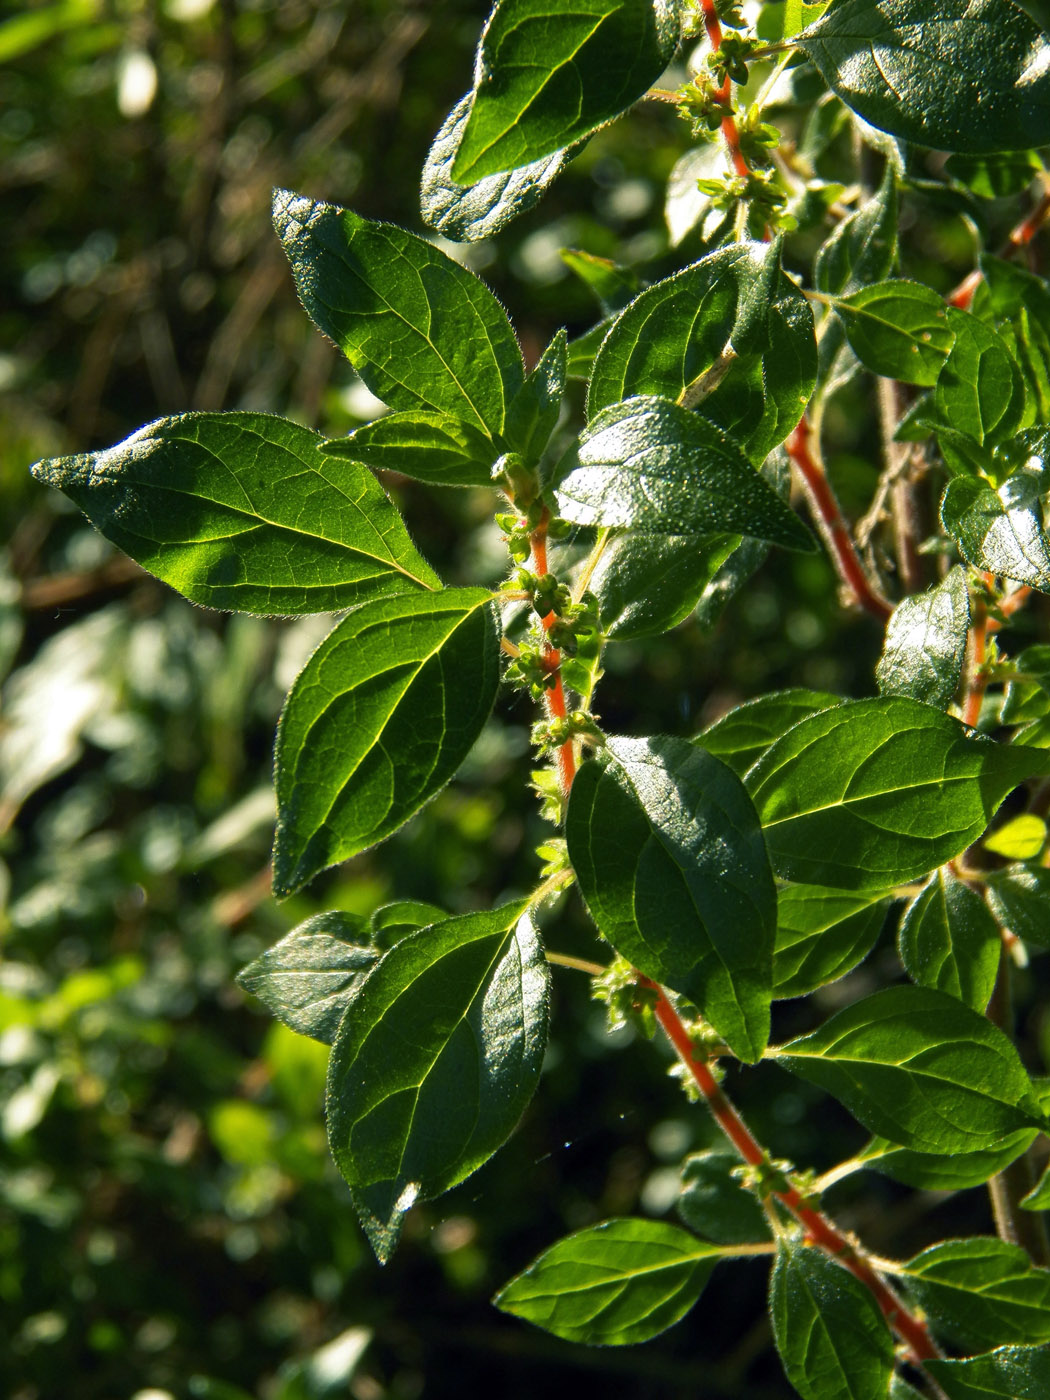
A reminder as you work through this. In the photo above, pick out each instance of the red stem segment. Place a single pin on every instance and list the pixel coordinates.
(730, 134)
(829, 520)
(819, 1229)
(1019, 237)
(555, 693)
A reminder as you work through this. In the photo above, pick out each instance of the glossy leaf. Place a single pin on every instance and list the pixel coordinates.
(647, 584)
(949, 940)
(535, 408)
(981, 1293)
(616, 1283)
(409, 1115)
(670, 860)
(933, 1171)
(876, 792)
(548, 77)
(716, 1205)
(821, 935)
(377, 722)
(731, 335)
(899, 329)
(1020, 899)
(925, 645)
(392, 921)
(956, 75)
(1001, 531)
(830, 1334)
(650, 465)
(920, 1068)
(425, 446)
(469, 213)
(246, 512)
(863, 247)
(310, 977)
(979, 390)
(421, 331)
(743, 734)
(1009, 1373)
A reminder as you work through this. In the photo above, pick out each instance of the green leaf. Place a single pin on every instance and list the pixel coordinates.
(920, 1068)
(467, 214)
(716, 1205)
(782, 21)
(925, 645)
(863, 247)
(649, 465)
(392, 921)
(932, 1171)
(613, 285)
(980, 1293)
(685, 204)
(548, 77)
(1006, 289)
(997, 176)
(821, 935)
(377, 722)
(732, 334)
(670, 860)
(743, 734)
(949, 940)
(876, 792)
(1010, 1373)
(534, 411)
(979, 390)
(1021, 838)
(1039, 1197)
(425, 446)
(433, 1070)
(830, 1334)
(647, 584)
(616, 1283)
(898, 329)
(582, 350)
(1020, 899)
(421, 331)
(1001, 531)
(955, 75)
(245, 512)
(312, 975)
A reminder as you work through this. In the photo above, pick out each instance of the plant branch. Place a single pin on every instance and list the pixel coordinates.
(555, 693)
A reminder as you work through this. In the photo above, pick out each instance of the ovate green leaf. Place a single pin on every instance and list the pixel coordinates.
(1020, 899)
(1001, 531)
(420, 330)
(378, 720)
(932, 1171)
(670, 860)
(875, 792)
(425, 446)
(647, 584)
(919, 1068)
(715, 1204)
(534, 410)
(979, 390)
(925, 646)
(899, 329)
(432, 1071)
(620, 1282)
(981, 1293)
(950, 941)
(245, 512)
(863, 247)
(743, 734)
(821, 935)
(548, 75)
(1010, 1373)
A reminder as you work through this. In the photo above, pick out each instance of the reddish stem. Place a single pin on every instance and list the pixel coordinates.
(730, 134)
(819, 1229)
(978, 681)
(555, 693)
(1019, 237)
(829, 520)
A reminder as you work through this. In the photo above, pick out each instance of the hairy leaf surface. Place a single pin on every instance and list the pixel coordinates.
(647, 584)
(1009, 1373)
(925, 646)
(743, 735)
(821, 935)
(932, 1171)
(899, 329)
(715, 1204)
(981, 1293)
(1020, 899)
(949, 940)
(423, 445)
(1001, 531)
(863, 247)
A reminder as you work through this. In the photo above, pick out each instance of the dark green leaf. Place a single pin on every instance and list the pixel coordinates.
(1006, 289)
(1020, 900)
(919, 1068)
(899, 329)
(997, 176)
(1010, 1373)
(731, 334)
(649, 465)
(925, 646)
(716, 1205)
(875, 792)
(1039, 1197)
(425, 446)
(420, 330)
(981, 1293)
(821, 935)
(932, 1171)
(1001, 531)
(534, 410)
(979, 391)
(466, 214)
(246, 512)
(546, 78)
(863, 247)
(830, 1334)
(431, 1073)
(957, 75)
(392, 921)
(741, 565)
(647, 584)
(613, 285)
(377, 722)
(582, 350)
(1028, 343)
(311, 976)
(620, 1282)
(949, 940)
(670, 860)
(743, 735)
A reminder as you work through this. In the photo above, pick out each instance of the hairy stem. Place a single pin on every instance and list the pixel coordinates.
(554, 698)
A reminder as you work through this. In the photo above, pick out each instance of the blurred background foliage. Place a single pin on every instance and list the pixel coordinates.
(170, 1222)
